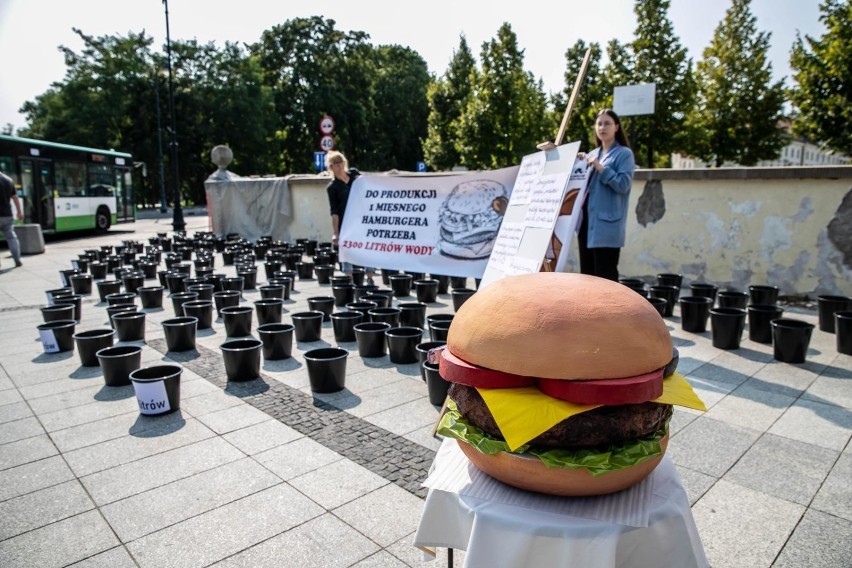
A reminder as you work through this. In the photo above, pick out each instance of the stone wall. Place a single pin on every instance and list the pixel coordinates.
(789, 227)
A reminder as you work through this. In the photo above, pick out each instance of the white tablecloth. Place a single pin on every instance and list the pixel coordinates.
(495, 533)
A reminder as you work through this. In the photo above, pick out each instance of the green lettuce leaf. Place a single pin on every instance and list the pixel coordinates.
(598, 461)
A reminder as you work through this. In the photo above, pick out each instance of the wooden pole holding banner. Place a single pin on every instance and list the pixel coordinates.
(573, 99)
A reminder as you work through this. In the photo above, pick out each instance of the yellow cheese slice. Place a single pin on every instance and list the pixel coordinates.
(524, 413)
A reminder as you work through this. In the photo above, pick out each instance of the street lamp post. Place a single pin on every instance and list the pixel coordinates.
(177, 218)
(164, 206)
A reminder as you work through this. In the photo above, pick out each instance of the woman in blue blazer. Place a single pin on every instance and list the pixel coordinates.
(602, 230)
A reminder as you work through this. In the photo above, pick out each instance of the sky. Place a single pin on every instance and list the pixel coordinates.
(32, 30)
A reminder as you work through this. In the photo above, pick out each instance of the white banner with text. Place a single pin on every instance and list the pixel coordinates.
(434, 224)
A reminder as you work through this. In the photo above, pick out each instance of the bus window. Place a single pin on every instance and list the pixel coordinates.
(101, 180)
(70, 179)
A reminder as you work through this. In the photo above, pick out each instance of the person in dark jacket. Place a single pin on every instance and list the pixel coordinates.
(602, 230)
(7, 222)
(338, 196)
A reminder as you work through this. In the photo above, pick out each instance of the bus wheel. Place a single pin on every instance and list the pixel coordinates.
(102, 219)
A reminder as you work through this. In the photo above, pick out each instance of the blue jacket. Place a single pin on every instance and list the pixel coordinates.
(608, 195)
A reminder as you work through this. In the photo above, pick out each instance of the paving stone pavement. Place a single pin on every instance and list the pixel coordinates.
(268, 473)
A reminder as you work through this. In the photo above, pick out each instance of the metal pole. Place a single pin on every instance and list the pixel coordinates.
(164, 205)
(177, 219)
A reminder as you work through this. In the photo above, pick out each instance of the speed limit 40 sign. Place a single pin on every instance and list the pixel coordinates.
(327, 142)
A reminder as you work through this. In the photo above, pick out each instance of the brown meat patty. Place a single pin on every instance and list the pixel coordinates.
(603, 425)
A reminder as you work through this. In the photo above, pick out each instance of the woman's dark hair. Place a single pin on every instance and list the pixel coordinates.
(620, 136)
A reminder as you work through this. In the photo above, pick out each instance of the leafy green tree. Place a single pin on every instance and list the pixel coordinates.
(447, 98)
(822, 69)
(659, 57)
(314, 69)
(95, 103)
(506, 117)
(398, 122)
(106, 100)
(738, 105)
(219, 99)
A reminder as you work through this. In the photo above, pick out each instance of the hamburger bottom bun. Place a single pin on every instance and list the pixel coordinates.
(531, 474)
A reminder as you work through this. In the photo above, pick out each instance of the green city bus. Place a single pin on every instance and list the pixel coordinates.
(69, 188)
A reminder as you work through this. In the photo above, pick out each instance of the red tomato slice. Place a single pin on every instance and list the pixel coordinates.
(629, 390)
(459, 371)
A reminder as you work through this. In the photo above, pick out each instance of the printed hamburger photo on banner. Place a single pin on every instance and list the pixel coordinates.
(470, 218)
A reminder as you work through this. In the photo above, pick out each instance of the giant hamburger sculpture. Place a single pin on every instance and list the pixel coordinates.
(562, 383)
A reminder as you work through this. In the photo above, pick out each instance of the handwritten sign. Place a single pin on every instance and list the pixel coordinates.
(537, 203)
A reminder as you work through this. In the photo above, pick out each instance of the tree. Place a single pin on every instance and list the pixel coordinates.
(96, 102)
(822, 69)
(506, 117)
(738, 106)
(447, 98)
(398, 122)
(658, 57)
(314, 69)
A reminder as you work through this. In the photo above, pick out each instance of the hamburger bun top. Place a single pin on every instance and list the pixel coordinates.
(560, 326)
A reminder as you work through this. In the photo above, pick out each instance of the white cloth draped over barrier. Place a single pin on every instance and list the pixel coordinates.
(249, 207)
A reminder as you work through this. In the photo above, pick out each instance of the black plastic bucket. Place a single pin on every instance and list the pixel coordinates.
(344, 323)
(732, 299)
(760, 294)
(385, 315)
(57, 312)
(669, 293)
(843, 331)
(694, 312)
(401, 284)
(157, 388)
(760, 317)
(343, 293)
(180, 333)
(75, 300)
(426, 290)
(277, 339)
(90, 342)
(412, 314)
(438, 330)
(460, 296)
(224, 299)
(117, 362)
(826, 308)
(790, 339)
(82, 284)
(308, 325)
(423, 352)
(727, 326)
(326, 369)
(269, 310)
(129, 326)
(150, 296)
(436, 385)
(237, 320)
(57, 336)
(324, 304)
(402, 344)
(371, 339)
(242, 359)
(201, 309)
